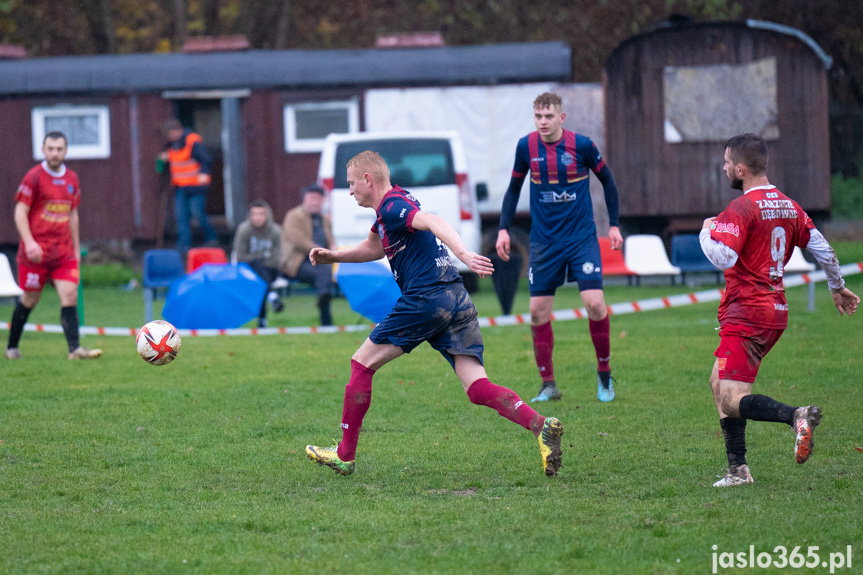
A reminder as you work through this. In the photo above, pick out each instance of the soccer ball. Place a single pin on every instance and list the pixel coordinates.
(158, 342)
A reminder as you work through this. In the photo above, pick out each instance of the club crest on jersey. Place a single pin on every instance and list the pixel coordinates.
(70, 188)
(567, 159)
(587, 267)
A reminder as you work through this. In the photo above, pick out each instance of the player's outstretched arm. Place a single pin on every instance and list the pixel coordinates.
(476, 263)
(368, 250)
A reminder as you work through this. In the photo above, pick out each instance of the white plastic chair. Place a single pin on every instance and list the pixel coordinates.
(8, 286)
(798, 265)
(645, 255)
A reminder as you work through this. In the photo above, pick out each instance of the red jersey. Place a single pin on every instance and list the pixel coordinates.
(762, 226)
(51, 198)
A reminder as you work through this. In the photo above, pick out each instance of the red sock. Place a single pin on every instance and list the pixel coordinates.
(543, 344)
(358, 397)
(599, 333)
(506, 402)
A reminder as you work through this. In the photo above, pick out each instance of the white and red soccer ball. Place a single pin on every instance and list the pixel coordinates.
(158, 342)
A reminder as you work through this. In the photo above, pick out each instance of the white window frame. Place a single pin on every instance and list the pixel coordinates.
(294, 144)
(75, 152)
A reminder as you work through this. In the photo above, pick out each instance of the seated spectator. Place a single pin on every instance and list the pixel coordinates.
(257, 243)
(304, 228)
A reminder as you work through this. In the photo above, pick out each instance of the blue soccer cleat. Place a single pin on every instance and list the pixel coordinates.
(604, 390)
(548, 392)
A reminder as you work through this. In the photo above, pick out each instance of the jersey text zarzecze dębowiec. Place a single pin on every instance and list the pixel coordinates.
(762, 226)
(560, 205)
(417, 258)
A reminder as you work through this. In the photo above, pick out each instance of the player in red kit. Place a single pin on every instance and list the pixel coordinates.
(752, 240)
(46, 216)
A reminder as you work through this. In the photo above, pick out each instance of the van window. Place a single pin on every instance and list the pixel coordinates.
(413, 162)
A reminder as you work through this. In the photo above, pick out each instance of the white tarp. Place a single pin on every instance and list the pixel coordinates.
(490, 120)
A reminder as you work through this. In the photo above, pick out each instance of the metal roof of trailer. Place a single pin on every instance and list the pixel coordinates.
(126, 73)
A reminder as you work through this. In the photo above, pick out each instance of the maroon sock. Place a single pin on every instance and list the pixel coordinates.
(506, 402)
(358, 397)
(599, 333)
(543, 345)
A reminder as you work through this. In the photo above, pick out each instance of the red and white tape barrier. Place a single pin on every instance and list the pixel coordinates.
(500, 320)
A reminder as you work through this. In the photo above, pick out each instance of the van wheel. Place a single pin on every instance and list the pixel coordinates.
(471, 281)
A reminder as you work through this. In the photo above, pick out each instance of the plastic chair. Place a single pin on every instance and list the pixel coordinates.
(686, 253)
(645, 255)
(8, 285)
(798, 265)
(161, 267)
(200, 256)
(612, 261)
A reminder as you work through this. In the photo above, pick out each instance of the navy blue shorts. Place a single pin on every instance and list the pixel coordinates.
(442, 315)
(551, 265)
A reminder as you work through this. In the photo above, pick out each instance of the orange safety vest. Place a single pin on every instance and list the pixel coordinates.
(184, 168)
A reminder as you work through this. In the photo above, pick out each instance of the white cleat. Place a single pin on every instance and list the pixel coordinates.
(738, 475)
(84, 353)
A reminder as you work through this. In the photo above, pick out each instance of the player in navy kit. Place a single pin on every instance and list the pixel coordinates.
(563, 244)
(434, 307)
(752, 240)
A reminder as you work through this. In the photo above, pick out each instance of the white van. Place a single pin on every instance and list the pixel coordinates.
(430, 165)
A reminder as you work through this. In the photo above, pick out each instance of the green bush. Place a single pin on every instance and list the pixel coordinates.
(106, 275)
(847, 198)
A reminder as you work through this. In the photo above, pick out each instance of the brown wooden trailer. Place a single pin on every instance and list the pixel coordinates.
(674, 94)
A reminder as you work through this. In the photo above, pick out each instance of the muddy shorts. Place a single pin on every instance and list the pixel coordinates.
(741, 350)
(442, 315)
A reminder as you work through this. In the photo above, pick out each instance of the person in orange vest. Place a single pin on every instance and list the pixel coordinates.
(189, 162)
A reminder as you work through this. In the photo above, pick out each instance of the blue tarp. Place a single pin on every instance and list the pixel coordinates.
(369, 288)
(215, 296)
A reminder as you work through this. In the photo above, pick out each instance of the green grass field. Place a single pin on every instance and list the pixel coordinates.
(116, 466)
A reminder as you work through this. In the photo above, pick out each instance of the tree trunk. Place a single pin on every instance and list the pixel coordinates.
(179, 25)
(210, 9)
(281, 40)
(108, 26)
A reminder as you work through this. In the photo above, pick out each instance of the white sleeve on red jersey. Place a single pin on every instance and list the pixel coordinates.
(718, 253)
(826, 258)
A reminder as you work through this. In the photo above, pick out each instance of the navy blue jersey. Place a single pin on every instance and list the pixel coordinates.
(560, 206)
(418, 259)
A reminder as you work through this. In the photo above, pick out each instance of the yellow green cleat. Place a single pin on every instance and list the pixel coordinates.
(329, 456)
(549, 445)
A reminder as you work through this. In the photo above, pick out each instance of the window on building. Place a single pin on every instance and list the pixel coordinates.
(713, 103)
(87, 130)
(308, 123)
